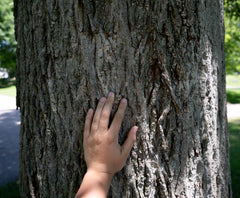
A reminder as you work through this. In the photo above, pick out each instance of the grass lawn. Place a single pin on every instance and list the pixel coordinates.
(233, 95)
(10, 190)
(8, 91)
(8, 88)
(234, 138)
(233, 80)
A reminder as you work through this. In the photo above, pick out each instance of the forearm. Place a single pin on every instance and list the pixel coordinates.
(94, 185)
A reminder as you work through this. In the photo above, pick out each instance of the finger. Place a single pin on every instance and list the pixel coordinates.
(97, 114)
(104, 120)
(88, 121)
(118, 118)
(128, 144)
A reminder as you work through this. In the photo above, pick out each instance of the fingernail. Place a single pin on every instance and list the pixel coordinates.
(103, 99)
(135, 129)
(123, 100)
(89, 111)
(110, 94)
(135, 133)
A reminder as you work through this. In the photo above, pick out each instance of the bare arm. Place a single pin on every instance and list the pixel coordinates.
(103, 155)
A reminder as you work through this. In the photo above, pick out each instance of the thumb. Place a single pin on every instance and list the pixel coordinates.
(128, 144)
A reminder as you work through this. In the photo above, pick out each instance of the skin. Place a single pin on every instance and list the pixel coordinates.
(103, 155)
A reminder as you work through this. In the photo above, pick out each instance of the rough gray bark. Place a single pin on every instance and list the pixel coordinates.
(166, 57)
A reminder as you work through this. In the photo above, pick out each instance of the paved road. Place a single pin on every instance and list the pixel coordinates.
(9, 137)
(9, 140)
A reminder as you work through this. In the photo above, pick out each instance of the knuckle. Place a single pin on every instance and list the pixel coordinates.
(95, 122)
(84, 144)
(86, 127)
(88, 116)
(120, 113)
(94, 127)
(122, 107)
(104, 115)
(97, 139)
(110, 139)
(86, 131)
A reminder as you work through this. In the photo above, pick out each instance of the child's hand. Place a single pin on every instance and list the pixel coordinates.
(103, 155)
(102, 152)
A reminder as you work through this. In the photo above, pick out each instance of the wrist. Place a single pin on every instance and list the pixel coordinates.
(101, 168)
(102, 180)
(101, 176)
(94, 184)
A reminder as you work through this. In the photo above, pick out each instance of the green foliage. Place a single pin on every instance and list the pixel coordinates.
(232, 8)
(233, 96)
(7, 39)
(232, 35)
(234, 137)
(7, 22)
(10, 190)
(8, 59)
(232, 45)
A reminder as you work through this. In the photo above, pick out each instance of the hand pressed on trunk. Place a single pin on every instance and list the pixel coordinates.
(103, 155)
(101, 149)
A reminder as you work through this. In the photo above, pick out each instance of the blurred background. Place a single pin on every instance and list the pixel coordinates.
(10, 117)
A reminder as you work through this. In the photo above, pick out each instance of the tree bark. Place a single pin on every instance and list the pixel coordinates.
(166, 57)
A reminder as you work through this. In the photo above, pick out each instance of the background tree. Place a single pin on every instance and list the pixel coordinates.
(232, 45)
(232, 8)
(7, 40)
(165, 57)
(232, 38)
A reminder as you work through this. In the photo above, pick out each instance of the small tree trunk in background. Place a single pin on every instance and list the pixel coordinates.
(166, 57)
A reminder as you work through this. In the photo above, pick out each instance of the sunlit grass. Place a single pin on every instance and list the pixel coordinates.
(233, 95)
(7, 87)
(234, 138)
(233, 80)
(8, 91)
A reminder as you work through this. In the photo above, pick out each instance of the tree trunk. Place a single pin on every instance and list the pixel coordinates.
(165, 56)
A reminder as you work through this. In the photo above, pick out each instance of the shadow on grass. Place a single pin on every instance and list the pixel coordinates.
(4, 83)
(10, 190)
(234, 138)
(233, 96)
